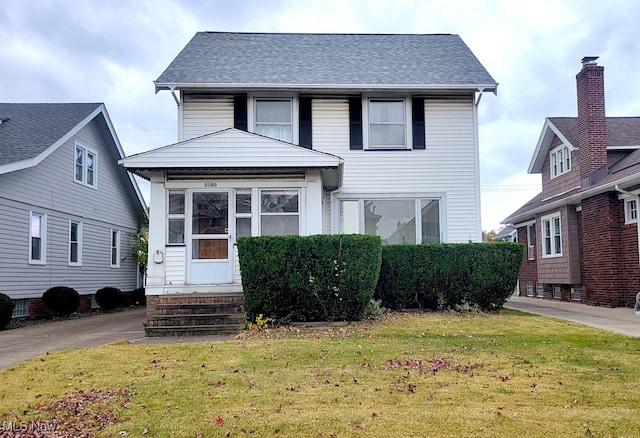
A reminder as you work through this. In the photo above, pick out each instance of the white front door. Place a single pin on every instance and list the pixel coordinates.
(210, 251)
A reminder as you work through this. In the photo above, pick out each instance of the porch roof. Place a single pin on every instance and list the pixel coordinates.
(235, 151)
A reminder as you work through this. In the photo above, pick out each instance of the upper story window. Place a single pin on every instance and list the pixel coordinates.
(85, 166)
(560, 161)
(37, 238)
(274, 118)
(552, 236)
(630, 211)
(386, 124)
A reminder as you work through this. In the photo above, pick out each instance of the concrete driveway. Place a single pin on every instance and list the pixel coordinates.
(24, 343)
(619, 319)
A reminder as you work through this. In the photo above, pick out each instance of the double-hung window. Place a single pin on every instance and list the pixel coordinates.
(560, 161)
(115, 248)
(274, 118)
(75, 243)
(552, 236)
(37, 238)
(630, 211)
(397, 220)
(85, 166)
(386, 124)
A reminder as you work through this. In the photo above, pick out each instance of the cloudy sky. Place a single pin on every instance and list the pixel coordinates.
(111, 51)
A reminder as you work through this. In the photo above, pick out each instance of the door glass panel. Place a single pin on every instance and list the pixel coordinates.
(210, 213)
(210, 249)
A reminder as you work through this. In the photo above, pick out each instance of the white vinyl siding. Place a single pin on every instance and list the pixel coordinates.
(448, 165)
(175, 265)
(204, 116)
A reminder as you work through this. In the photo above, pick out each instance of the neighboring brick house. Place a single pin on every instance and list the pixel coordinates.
(308, 134)
(581, 231)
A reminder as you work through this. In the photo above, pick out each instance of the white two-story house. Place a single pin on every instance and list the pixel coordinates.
(307, 134)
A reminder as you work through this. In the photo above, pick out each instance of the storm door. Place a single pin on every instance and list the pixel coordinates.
(210, 252)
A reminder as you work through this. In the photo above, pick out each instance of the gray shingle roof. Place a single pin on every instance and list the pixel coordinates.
(352, 60)
(621, 131)
(32, 127)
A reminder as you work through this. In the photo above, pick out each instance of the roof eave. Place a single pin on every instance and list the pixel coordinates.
(626, 181)
(489, 87)
(542, 147)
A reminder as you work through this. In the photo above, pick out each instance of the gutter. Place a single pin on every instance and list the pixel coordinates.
(637, 198)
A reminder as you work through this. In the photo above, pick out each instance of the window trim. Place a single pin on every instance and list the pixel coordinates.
(117, 246)
(176, 216)
(531, 241)
(629, 211)
(552, 236)
(78, 243)
(85, 153)
(408, 123)
(416, 197)
(260, 214)
(295, 113)
(559, 161)
(43, 239)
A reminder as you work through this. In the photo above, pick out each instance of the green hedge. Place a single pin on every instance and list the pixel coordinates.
(6, 310)
(311, 278)
(443, 276)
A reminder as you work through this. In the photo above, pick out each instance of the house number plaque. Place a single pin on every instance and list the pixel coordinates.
(211, 184)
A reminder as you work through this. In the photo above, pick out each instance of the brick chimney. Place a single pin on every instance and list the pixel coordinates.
(592, 125)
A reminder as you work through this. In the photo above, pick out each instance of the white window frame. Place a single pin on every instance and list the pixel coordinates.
(114, 247)
(631, 210)
(529, 288)
(78, 242)
(177, 216)
(416, 197)
(295, 116)
(85, 170)
(408, 123)
(260, 214)
(21, 308)
(556, 291)
(42, 260)
(559, 161)
(539, 290)
(550, 219)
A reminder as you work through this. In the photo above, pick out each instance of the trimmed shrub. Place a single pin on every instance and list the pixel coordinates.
(108, 298)
(309, 278)
(61, 300)
(444, 276)
(139, 296)
(6, 310)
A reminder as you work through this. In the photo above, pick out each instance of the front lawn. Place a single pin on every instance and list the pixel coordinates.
(419, 375)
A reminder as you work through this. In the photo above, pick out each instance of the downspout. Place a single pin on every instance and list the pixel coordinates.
(637, 197)
(477, 100)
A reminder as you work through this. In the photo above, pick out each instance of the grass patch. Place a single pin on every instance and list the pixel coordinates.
(433, 374)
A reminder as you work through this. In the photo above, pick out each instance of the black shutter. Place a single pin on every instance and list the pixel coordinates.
(355, 123)
(417, 111)
(240, 112)
(304, 109)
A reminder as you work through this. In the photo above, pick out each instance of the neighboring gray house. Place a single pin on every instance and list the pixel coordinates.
(68, 212)
(307, 134)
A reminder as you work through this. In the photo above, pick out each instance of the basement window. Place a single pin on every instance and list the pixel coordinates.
(557, 291)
